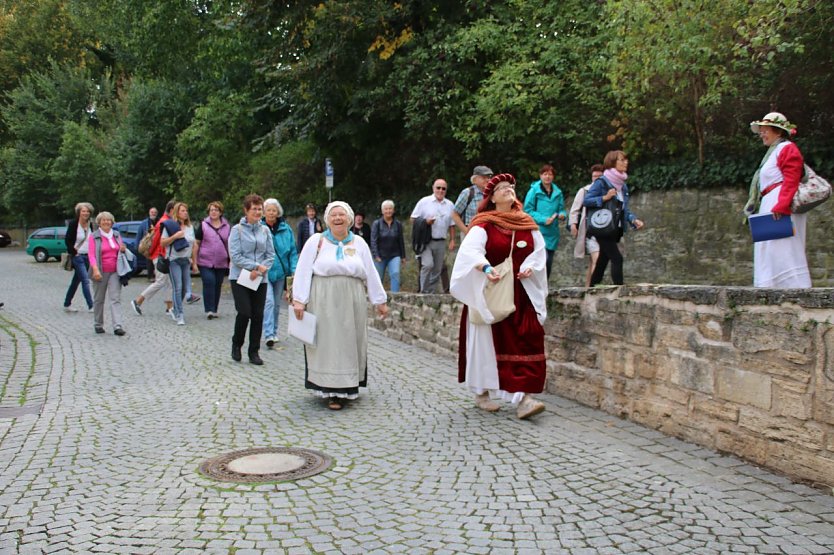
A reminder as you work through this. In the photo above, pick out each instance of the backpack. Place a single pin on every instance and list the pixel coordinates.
(144, 247)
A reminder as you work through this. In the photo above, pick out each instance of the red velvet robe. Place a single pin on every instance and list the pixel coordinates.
(518, 339)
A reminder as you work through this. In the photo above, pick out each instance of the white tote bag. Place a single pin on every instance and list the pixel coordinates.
(500, 295)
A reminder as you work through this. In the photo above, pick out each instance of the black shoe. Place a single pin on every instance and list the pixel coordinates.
(255, 359)
(236, 356)
(99, 330)
(119, 331)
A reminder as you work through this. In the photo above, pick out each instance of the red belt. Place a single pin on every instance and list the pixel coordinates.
(770, 188)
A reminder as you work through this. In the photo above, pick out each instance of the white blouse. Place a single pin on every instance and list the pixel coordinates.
(357, 262)
(770, 172)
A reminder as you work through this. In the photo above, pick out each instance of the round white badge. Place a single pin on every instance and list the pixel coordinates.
(521, 244)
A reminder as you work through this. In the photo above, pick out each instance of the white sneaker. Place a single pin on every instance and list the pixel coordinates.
(181, 321)
(70, 309)
(170, 312)
(270, 341)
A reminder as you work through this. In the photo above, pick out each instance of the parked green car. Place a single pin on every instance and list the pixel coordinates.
(46, 242)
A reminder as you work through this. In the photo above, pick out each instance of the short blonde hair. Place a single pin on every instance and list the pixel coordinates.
(276, 204)
(81, 205)
(104, 216)
(387, 202)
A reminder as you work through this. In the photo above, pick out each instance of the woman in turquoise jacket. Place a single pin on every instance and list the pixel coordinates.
(546, 205)
(286, 257)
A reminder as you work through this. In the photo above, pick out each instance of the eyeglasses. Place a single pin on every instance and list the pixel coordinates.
(440, 188)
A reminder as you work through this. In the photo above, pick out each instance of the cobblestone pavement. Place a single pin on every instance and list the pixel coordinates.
(101, 437)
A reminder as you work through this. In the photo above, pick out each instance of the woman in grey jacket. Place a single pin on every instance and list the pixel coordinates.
(251, 253)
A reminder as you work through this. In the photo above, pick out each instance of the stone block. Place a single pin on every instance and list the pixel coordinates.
(696, 294)
(742, 443)
(817, 467)
(714, 409)
(782, 430)
(674, 337)
(774, 364)
(613, 403)
(823, 405)
(743, 387)
(713, 329)
(692, 373)
(674, 394)
(722, 354)
(792, 399)
(771, 329)
(640, 331)
(674, 316)
(689, 429)
(655, 413)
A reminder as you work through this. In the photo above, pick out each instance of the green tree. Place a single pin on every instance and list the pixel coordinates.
(151, 114)
(213, 153)
(35, 115)
(34, 34)
(83, 169)
(675, 65)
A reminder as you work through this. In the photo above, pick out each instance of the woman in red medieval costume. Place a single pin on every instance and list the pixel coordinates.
(503, 360)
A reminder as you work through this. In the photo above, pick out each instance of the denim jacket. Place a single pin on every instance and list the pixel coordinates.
(593, 198)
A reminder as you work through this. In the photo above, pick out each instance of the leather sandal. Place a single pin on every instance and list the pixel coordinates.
(334, 404)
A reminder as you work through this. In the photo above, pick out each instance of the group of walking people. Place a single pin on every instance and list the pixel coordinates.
(335, 270)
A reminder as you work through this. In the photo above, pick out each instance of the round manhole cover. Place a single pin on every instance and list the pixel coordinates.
(269, 464)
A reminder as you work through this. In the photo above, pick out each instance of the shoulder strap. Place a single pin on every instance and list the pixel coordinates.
(468, 200)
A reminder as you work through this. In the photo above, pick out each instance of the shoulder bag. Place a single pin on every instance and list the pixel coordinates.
(605, 222)
(813, 190)
(162, 263)
(500, 295)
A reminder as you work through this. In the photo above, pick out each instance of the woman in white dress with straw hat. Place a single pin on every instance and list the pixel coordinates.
(779, 263)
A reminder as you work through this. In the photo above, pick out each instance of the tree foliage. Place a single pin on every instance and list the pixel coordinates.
(128, 103)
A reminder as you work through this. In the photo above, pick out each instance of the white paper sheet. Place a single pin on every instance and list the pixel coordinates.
(304, 330)
(244, 280)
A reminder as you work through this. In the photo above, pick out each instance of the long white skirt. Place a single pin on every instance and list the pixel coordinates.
(781, 263)
(337, 366)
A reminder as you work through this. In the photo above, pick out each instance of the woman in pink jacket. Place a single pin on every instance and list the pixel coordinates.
(103, 250)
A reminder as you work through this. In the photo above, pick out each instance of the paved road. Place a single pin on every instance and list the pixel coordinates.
(101, 437)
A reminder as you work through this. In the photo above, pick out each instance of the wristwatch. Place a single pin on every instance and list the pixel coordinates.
(487, 269)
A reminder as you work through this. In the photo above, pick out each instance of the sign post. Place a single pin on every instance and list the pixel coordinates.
(328, 178)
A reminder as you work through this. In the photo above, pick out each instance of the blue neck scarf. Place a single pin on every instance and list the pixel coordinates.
(340, 253)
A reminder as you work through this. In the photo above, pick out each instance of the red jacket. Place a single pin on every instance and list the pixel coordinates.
(156, 247)
(791, 165)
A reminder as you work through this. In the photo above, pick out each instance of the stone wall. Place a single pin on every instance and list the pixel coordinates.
(696, 237)
(741, 370)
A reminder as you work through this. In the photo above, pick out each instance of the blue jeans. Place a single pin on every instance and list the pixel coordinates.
(212, 285)
(180, 274)
(272, 307)
(80, 276)
(393, 266)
